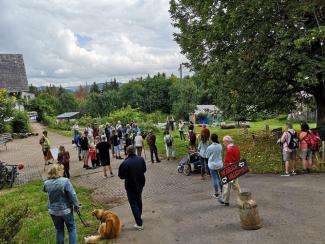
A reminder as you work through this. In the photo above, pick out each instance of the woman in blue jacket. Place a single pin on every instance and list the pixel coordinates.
(62, 198)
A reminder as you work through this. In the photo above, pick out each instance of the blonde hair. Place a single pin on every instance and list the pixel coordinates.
(228, 138)
(55, 171)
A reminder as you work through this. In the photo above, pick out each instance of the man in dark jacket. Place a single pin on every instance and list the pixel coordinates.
(151, 140)
(132, 171)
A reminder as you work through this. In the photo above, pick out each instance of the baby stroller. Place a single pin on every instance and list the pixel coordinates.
(190, 163)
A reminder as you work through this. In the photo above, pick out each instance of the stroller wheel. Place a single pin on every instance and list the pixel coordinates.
(187, 169)
(180, 169)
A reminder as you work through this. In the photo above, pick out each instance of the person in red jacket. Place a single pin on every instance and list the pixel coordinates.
(232, 155)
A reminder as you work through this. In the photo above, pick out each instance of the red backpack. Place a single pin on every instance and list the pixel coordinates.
(313, 141)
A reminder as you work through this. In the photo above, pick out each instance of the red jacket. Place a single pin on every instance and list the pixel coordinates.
(232, 155)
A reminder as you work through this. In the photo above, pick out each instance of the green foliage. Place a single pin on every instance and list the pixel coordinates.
(125, 115)
(254, 55)
(37, 226)
(20, 123)
(184, 97)
(98, 105)
(94, 88)
(155, 117)
(45, 105)
(6, 108)
(11, 222)
(67, 103)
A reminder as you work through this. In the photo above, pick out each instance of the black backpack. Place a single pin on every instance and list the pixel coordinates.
(294, 141)
(169, 141)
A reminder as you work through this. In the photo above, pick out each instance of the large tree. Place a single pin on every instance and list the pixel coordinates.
(259, 54)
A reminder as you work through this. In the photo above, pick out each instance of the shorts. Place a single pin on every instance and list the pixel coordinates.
(117, 149)
(45, 152)
(105, 162)
(85, 153)
(306, 154)
(289, 155)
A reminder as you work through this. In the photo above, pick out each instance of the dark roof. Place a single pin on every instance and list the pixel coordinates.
(13, 73)
(69, 115)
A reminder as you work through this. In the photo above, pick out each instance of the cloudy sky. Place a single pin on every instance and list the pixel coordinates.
(70, 42)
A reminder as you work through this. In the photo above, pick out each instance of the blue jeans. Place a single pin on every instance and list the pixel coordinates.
(215, 180)
(135, 202)
(59, 226)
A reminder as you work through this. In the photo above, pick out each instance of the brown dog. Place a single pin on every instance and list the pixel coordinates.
(110, 226)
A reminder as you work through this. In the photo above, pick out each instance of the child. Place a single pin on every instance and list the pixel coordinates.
(93, 156)
(64, 159)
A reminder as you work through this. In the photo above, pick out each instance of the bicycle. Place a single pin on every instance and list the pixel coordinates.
(8, 173)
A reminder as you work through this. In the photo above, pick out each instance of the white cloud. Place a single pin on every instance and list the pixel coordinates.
(122, 39)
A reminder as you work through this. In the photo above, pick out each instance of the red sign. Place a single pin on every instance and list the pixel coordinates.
(233, 171)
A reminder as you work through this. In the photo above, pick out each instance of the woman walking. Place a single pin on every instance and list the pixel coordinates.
(62, 198)
(64, 159)
(306, 153)
(203, 146)
(215, 162)
(138, 143)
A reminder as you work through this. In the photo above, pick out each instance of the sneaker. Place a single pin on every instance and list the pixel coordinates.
(158, 161)
(105, 176)
(221, 201)
(216, 195)
(285, 174)
(112, 175)
(138, 227)
(293, 172)
(120, 158)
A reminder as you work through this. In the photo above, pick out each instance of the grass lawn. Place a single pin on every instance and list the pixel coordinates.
(38, 227)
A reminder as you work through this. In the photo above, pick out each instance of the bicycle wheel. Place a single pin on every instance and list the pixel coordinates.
(3, 176)
(12, 178)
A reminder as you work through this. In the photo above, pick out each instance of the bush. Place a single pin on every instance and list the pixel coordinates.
(20, 123)
(11, 223)
(126, 115)
(155, 117)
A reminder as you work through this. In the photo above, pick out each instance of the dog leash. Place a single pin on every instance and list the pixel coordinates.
(81, 218)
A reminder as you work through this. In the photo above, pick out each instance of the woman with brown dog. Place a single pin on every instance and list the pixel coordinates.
(62, 198)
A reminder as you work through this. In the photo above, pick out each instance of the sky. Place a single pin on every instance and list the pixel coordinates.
(72, 42)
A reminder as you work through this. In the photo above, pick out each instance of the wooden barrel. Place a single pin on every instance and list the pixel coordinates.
(248, 212)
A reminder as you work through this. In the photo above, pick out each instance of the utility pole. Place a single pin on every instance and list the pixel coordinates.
(180, 71)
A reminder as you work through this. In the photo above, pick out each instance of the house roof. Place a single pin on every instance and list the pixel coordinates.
(12, 73)
(212, 109)
(68, 115)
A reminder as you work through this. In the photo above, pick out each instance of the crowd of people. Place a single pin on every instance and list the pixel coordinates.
(307, 142)
(97, 143)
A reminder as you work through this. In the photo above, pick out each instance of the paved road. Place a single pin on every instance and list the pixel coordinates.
(180, 209)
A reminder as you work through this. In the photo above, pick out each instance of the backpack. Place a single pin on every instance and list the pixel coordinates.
(294, 141)
(314, 141)
(169, 141)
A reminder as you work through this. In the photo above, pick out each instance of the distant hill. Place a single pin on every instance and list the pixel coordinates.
(75, 88)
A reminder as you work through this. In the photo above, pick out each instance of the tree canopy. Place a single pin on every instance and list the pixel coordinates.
(255, 55)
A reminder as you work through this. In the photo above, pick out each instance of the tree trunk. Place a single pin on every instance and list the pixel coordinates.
(320, 102)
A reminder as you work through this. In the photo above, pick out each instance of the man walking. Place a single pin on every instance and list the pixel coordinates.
(132, 171)
(289, 140)
(151, 140)
(232, 155)
(103, 154)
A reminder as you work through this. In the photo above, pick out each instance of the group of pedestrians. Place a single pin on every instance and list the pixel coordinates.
(211, 162)
(62, 198)
(307, 142)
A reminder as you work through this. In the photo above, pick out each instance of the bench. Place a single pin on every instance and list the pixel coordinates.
(4, 138)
